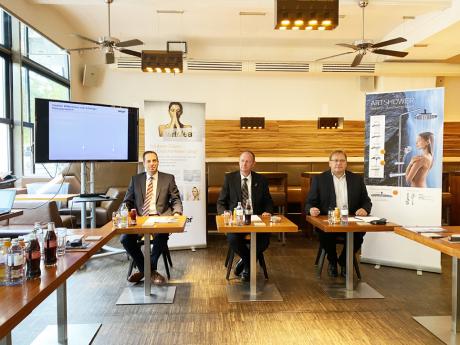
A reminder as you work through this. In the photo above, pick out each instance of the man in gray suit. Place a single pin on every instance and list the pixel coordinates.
(150, 193)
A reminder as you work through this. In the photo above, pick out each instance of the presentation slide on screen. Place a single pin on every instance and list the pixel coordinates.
(87, 132)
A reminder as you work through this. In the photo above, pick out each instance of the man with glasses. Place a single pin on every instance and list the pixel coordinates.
(338, 187)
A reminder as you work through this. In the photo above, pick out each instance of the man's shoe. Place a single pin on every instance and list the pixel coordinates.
(239, 267)
(332, 270)
(343, 271)
(136, 277)
(157, 278)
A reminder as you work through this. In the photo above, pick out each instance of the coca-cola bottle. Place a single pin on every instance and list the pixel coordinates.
(248, 212)
(33, 258)
(50, 244)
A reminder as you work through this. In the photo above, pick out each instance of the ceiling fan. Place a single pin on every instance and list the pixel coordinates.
(363, 46)
(109, 44)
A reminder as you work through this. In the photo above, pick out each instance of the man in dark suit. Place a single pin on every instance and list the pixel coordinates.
(335, 188)
(150, 193)
(239, 186)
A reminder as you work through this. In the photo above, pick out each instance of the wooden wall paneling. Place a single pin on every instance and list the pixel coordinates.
(454, 188)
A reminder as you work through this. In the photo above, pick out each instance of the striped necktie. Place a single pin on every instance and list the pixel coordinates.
(244, 192)
(148, 197)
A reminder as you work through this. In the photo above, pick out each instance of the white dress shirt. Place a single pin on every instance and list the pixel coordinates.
(340, 187)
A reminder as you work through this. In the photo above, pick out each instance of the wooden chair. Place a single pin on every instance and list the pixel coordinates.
(164, 253)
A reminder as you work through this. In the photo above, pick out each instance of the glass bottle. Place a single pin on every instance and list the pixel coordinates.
(344, 215)
(124, 216)
(15, 263)
(38, 230)
(336, 215)
(3, 265)
(239, 214)
(133, 217)
(248, 212)
(50, 244)
(33, 257)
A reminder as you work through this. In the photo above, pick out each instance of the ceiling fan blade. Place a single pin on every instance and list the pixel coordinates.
(390, 52)
(131, 52)
(109, 58)
(129, 43)
(346, 45)
(357, 59)
(86, 38)
(329, 57)
(82, 49)
(389, 42)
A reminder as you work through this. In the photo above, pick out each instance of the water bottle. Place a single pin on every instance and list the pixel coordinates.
(15, 260)
(3, 265)
(248, 212)
(239, 214)
(124, 216)
(344, 215)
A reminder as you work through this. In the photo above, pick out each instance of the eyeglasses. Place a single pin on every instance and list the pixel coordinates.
(338, 160)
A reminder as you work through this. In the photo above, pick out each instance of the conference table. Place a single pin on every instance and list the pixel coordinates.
(265, 292)
(43, 197)
(148, 226)
(11, 214)
(351, 289)
(17, 302)
(446, 328)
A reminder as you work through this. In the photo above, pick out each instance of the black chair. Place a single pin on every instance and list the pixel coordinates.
(321, 255)
(231, 256)
(164, 253)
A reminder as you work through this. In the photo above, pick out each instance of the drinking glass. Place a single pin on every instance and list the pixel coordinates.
(227, 217)
(330, 216)
(61, 234)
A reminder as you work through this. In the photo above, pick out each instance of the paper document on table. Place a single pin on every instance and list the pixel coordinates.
(366, 219)
(152, 220)
(421, 229)
(255, 218)
(432, 235)
(353, 219)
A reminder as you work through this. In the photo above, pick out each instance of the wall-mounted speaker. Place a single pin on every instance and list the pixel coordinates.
(90, 75)
(367, 84)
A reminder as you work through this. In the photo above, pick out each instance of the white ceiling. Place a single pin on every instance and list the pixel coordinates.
(215, 29)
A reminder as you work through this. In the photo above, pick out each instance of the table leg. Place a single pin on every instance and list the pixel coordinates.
(62, 333)
(6, 340)
(349, 263)
(253, 273)
(147, 269)
(136, 295)
(440, 325)
(61, 296)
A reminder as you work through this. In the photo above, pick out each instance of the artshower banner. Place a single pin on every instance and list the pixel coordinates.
(175, 130)
(403, 172)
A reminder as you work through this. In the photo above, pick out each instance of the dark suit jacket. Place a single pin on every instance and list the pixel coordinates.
(230, 193)
(167, 196)
(322, 193)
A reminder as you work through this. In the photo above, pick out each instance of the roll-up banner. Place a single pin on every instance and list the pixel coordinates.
(176, 131)
(403, 173)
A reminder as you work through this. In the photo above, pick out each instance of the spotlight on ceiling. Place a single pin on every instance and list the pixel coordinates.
(306, 14)
(161, 61)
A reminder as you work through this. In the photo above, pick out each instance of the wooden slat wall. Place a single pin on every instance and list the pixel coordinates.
(290, 138)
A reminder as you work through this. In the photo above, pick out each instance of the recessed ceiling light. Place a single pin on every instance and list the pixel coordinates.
(243, 13)
(170, 11)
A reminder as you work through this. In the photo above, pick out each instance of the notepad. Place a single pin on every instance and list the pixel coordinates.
(93, 238)
(432, 235)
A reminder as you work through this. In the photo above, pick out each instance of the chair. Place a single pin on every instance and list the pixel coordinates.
(321, 255)
(231, 256)
(164, 253)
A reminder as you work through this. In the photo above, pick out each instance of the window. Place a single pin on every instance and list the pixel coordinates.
(44, 52)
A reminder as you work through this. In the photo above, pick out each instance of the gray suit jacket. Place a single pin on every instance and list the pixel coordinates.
(167, 196)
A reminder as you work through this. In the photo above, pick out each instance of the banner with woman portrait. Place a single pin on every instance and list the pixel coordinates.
(175, 130)
(403, 172)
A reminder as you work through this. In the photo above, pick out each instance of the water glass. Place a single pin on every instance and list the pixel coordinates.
(61, 234)
(227, 218)
(115, 219)
(330, 216)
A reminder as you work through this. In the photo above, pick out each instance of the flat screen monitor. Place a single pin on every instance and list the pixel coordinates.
(76, 132)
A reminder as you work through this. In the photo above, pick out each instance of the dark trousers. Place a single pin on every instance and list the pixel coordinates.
(159, 242)
(328, 241)
(240, 245)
